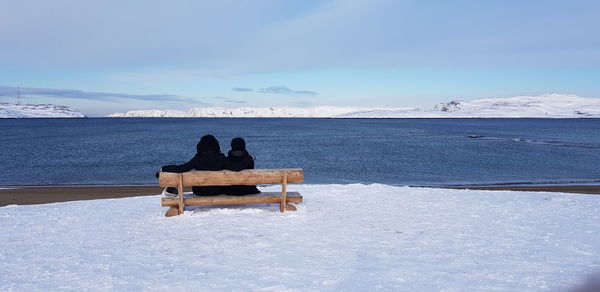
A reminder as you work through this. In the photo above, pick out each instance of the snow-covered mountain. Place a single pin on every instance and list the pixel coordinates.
(20, 111)
(541, 106)
(254, 112)
(149, 114)
(269, 112)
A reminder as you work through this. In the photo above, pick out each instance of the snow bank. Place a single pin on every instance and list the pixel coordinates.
(343, 237)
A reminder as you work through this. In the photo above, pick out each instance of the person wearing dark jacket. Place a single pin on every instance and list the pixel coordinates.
(208, 157)
(238, 159)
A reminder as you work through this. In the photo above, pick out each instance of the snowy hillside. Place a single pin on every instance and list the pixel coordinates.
(549, 105)
(342, 238)
(16, 111)
(542, 106)
(149, 114)
(269, 112)
(253, 112)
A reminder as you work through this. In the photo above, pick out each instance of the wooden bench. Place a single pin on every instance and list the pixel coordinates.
(285, 199)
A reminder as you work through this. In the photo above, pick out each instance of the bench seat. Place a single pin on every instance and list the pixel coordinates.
(262, 198)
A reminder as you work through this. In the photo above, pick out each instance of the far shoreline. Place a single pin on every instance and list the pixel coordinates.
(316, 118)
(44, 194)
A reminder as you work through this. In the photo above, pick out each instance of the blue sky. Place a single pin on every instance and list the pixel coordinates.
(111, 56)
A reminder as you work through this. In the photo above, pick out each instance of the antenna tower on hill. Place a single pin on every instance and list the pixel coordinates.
(18, 95)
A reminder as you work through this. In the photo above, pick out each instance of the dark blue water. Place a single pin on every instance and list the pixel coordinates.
(423, 152)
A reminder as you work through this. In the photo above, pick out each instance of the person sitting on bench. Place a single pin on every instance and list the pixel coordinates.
(208, 157)
(238, 159)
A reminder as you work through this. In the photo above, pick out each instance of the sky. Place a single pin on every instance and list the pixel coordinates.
(113, 56)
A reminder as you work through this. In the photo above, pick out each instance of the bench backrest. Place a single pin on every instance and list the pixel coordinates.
(227, 177)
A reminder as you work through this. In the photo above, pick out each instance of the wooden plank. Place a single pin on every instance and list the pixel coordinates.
(226, 177)
(168, 179)
(262, 198)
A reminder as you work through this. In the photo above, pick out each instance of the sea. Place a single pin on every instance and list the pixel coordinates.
(400, 152)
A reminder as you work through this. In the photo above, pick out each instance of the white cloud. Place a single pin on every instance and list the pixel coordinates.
(97, 96)
(285, 91)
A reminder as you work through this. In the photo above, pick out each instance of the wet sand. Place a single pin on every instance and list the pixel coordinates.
(578, 189)
(50, 194)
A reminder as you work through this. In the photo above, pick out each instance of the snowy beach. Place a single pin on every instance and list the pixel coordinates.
(343, 237)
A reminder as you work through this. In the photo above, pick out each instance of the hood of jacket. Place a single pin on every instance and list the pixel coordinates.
(208, 143)
(237, 154)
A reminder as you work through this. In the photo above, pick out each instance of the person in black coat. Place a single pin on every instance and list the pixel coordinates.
(238, 159)
(208, 157)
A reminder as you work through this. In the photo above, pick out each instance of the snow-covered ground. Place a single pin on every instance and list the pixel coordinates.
(541, 106)
(342, 238)
(20, 111)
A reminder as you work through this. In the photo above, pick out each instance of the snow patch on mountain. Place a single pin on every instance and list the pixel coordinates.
(541, 106)
(22, 111)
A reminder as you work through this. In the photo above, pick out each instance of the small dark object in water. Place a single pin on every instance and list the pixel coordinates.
(475, 136)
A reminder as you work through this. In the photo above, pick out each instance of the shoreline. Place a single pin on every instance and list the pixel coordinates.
(572, 189)
(37, 194)
(33, 195)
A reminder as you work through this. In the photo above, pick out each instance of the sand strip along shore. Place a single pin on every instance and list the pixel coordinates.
(578, 189)
(29, 195)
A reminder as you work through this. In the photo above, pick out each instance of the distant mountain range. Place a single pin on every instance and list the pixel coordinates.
(243, 112)
(20, 111)
(541, 106)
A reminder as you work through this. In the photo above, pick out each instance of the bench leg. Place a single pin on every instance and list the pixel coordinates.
(283, 204)
(180, 190)
(290, 207)
(172, 211)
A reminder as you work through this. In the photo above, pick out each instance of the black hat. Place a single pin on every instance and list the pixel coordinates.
(238, 144)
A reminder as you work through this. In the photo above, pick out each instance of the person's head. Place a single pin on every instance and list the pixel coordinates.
(208, 143)
(238, 144)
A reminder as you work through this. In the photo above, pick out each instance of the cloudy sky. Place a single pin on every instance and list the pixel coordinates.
(111, 56)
